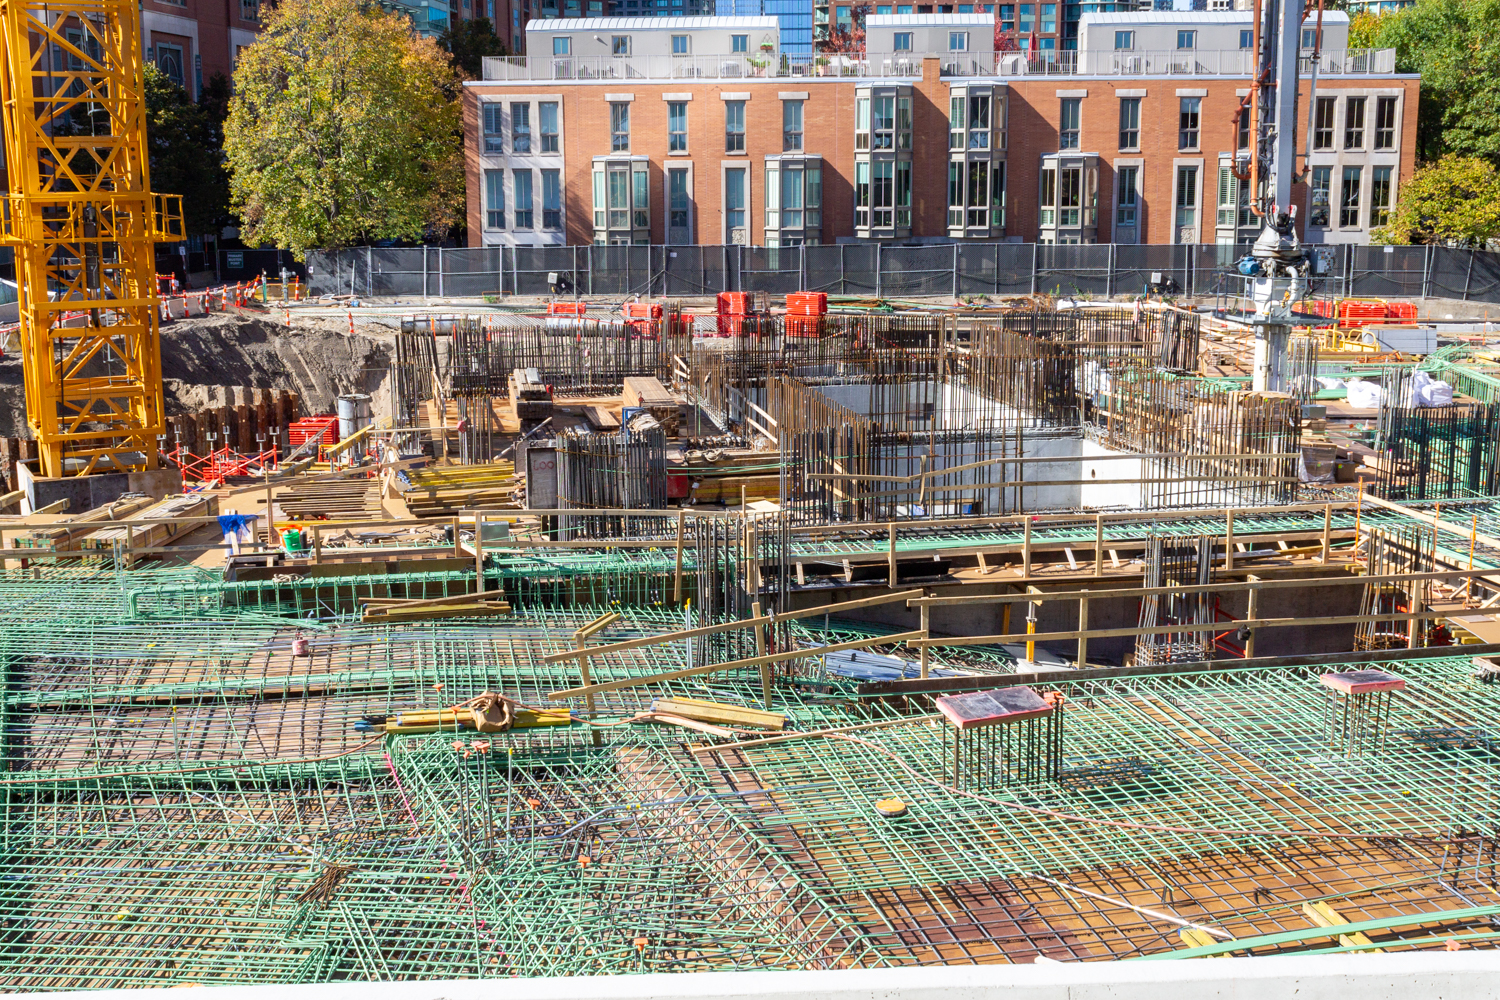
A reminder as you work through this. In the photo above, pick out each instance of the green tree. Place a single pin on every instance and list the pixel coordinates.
(343, 127)
(187, 153)
(1455, 201)
(1455, 45)
(468, 42)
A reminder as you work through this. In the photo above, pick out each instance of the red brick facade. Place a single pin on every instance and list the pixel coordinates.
(1033, 111)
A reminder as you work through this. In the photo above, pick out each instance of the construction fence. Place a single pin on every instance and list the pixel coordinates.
(951, 269)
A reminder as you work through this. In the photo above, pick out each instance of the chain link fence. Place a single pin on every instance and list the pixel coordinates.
(950, 269)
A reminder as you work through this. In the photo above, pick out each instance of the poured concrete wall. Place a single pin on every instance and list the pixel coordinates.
(1427, 975)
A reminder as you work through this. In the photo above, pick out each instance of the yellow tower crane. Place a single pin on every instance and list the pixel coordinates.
(79, 211)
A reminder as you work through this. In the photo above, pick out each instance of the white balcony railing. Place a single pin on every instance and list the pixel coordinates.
(746, 66)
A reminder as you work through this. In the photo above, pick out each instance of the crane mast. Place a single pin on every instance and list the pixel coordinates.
(1278, 265)
(81, 217)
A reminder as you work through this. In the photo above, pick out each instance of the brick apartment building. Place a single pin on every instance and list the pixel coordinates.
(700, 130)
(192, 41)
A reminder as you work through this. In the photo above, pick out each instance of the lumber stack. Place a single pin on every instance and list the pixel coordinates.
(393, 610)
(649, 394)
(169, 515)
(64, 536)
(347, 499)
(444, 491)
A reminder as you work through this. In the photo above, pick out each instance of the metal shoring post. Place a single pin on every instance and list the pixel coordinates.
(926, 633)
(1328, 534)
(760, 650)
(1026, 551)
(1030, 630)
(1098, 544)
(1083, 627)
(1229, 539)
(1252, 612)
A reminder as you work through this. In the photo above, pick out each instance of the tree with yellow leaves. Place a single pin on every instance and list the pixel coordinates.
(344, 127)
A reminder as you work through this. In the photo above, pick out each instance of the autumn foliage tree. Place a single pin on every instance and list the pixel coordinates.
(344, 126)
(1453, 202)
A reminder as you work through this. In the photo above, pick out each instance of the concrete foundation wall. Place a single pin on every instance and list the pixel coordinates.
(1438, 975)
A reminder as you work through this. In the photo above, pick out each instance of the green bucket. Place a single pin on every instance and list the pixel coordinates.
(291, 539)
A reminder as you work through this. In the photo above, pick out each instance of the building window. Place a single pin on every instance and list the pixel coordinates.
(494, 128)
(1385, 123)
(977, 213)
(955, 194)
(1124, 40)
(1247, 38)
(884, 127)
(1228, 190)
(903, 194)
(551, 199)
(520, 128)
(562, 46)
(1007, 17)
(1130, 123)
(1380, 196)
(522, 181)
(734, 199)
(1187, 197)
(547, 113)
(734, 126)
(679, 45)
(1069, 196)
(1321, 179)
(1354, 123)
(169, 61)
(791, 125)
(1187, 122)
(862, 123)
(619, 196)
(1067, 132)
(494, 199)
(955, 122)
(903, 123)
(958, 41)
(862, 194)
(641, 202)
(678, 204)
(619, 128)
(1047, 211)
(677, 126)
(1309, 38)
(739, 43)
(1126, 202)
(1323, 123)
(1349, 199)
(619, 45)
(979, 121)
(1187, 39)
(882, 194)
(903, 41)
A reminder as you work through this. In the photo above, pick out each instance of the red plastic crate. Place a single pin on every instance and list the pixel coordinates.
(567, 308)
(807, 303)
(735, 304)
(801, 326)
(301, 431)
(1401, 310)
(1357, 309)
(643, 310)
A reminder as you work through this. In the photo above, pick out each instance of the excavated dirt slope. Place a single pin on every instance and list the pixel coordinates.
(317, 359)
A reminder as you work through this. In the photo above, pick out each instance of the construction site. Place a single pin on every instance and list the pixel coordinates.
(361, 640)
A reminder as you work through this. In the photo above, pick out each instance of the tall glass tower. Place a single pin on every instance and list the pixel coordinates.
(794, 16)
